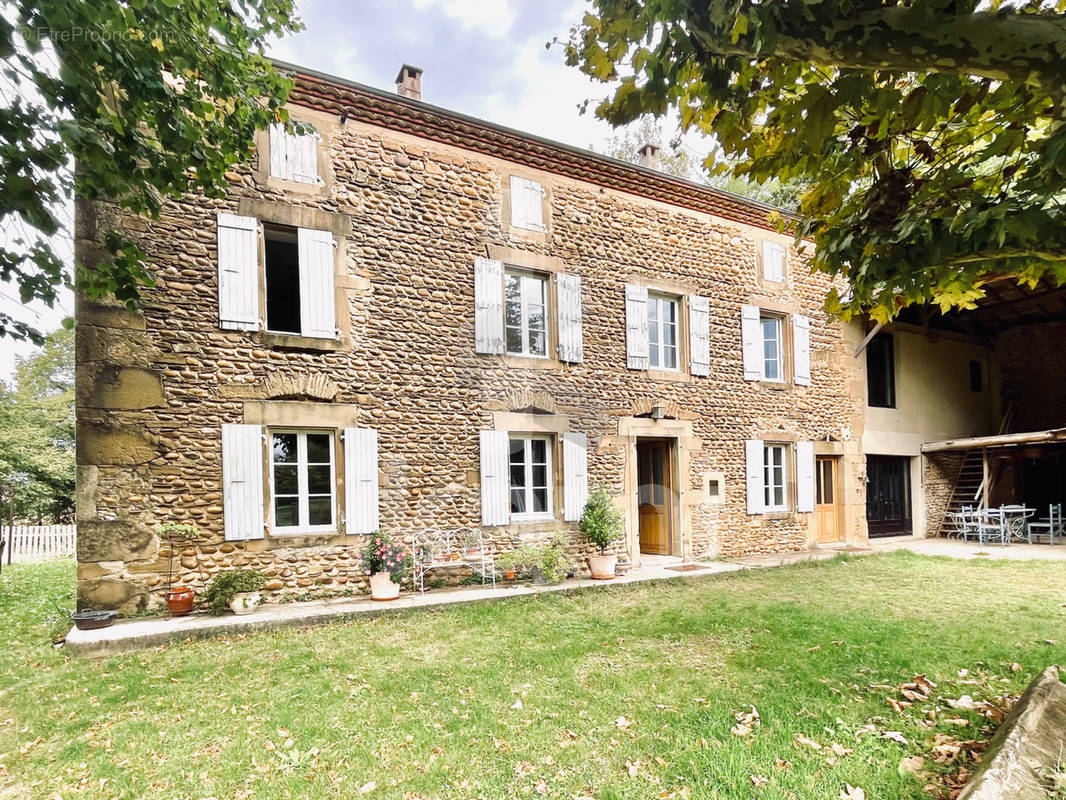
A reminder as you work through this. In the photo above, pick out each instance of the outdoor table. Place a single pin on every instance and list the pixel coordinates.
(1014, 521)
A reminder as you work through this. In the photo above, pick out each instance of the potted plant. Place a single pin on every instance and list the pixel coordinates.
(179, 599)
(549, 562)
(235, 589)
(387, 563)
(601, 522)
(509, 564)
(472, 545)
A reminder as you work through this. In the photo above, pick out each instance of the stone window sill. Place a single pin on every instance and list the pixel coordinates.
(668, 376)
(296, 342)
(529, 362)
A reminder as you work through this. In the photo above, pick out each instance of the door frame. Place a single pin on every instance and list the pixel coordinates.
(673, 496)
(905, 525)
(838, 499)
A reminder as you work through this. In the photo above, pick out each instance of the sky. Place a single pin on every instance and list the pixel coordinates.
(484, 58)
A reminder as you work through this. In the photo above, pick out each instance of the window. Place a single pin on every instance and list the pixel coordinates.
(302, 481)
(775, 477)
(293, 157)
(525, 313)
(773, 359)
(282, 279)
(773, 261)
(530, 477)
(977, 378)
(881, 372)
(662, 331)
(824, 481)
(527, 208)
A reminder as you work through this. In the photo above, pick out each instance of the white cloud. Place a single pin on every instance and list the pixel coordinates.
(491, 17)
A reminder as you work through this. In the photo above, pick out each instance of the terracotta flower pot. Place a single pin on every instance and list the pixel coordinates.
(382, 587)
(244, 602)
(510, 574)
(602, 566)
(180, 600)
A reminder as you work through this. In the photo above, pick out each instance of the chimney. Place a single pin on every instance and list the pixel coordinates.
(409, 82)
(649, 156)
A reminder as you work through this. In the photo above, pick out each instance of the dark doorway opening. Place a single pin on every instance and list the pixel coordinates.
(888, 496)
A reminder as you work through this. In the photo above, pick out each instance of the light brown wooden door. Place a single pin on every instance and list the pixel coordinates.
(826, 508)
(655, 496)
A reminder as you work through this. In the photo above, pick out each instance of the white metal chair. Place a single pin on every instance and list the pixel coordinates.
(990, 526)
(1050, 527)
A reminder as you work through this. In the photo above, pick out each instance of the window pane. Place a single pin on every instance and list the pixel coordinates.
(535, 317)
(320, 511)
(539, 451)
(540, 475)
(318, 448)
(318, 479)
(518, 475)
(538, 345)
(285, 480)
(670, 358)
(518, 451)
(533, 290)
(779, 496)
(653, 354)
(540, 501)
(653, 309)
(286, 512)
(669, 310)
(284, 448)
(518, 501)
(514, 340)
(670, 335)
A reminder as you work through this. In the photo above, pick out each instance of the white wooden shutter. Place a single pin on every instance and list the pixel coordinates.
(801, 348)
(773, 261)
(751, 342)
(238, 272)
(805, 476)
(754, 457)
(699, 335)
(568, 296)
(575, 475)
(318, 310)
(293, 157)
(495, 484)
(637, 347)
(361, 480)
(242, 481)
(488, 305)
(527, 208)
(303, 154)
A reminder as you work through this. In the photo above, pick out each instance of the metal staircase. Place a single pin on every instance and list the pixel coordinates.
(970, 487)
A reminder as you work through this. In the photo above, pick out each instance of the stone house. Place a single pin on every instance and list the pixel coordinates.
(410, 318)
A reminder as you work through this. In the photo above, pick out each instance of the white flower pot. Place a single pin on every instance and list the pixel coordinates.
(382, 587)
(244, 602)
(602, 566)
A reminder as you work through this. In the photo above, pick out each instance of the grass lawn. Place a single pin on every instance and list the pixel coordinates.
(628, 692)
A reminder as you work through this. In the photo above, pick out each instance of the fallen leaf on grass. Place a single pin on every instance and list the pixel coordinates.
(522, 768)
(622, 723)
(805, 741)
(840, 750)
(367, 788)
(850, 792)
(895, 736)
(758, 781)
(782, 763)
(632, 768)
(541, 787)
(911, 764)
(746, 721)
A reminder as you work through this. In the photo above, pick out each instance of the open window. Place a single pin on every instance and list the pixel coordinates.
(881, 372)
(282, 268)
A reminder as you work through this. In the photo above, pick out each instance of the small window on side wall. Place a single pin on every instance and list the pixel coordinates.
(773, 261)
(527, 208)
(977, 377)
(293, 156)
(881, 372)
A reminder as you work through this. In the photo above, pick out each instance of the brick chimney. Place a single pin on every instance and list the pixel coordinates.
(649, 156)
(409, 82)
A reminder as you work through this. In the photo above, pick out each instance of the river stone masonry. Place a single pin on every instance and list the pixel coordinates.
(410, 214)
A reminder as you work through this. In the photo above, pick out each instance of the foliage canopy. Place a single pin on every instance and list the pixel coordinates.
(929, 134)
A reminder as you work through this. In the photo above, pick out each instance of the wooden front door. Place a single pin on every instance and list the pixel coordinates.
(655, 495)
(826, 508)
(888, 495)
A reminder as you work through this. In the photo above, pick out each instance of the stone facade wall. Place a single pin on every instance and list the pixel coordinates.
(940, 472)
(154, 388)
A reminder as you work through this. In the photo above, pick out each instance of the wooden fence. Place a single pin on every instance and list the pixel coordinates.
(31, 543)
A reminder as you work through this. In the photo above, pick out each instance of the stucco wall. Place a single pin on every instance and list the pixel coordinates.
(419, 214)
(1034, 374)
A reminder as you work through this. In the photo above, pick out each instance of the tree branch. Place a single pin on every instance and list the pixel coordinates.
(997, 46)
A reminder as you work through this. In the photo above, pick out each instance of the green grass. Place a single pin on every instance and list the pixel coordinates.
(422, 704)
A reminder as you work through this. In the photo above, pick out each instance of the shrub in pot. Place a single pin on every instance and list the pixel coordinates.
(551, 562)
(602, 524)
(387, 563)
(235, 589)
